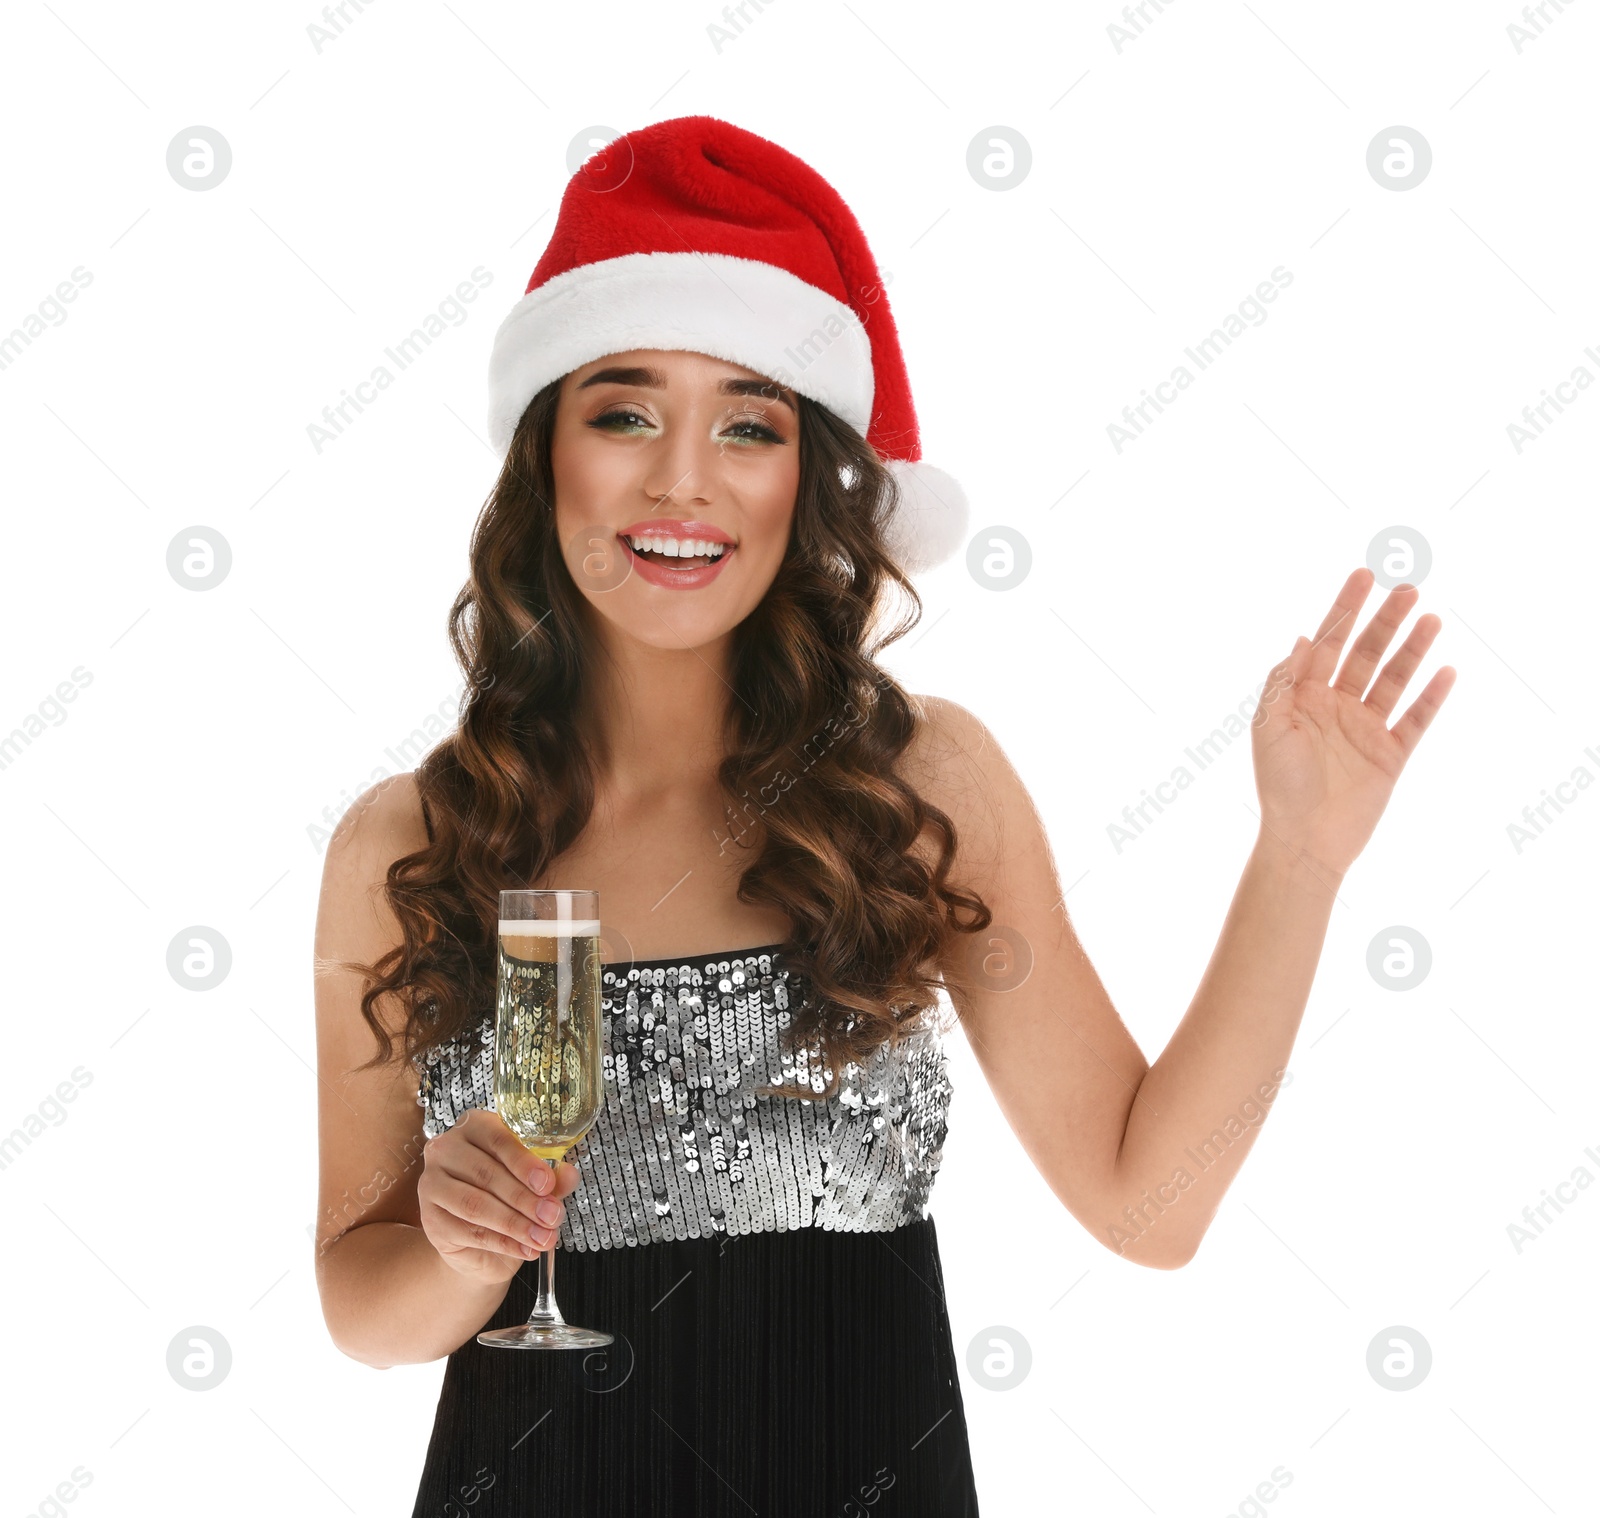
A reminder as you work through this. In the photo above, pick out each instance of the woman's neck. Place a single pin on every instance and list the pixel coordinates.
(654, 718)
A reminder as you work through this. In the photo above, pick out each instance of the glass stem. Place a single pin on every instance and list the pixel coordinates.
(545, 1312)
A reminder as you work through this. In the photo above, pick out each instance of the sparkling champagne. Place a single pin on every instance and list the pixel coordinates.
(547, 1080)
(548, 1058)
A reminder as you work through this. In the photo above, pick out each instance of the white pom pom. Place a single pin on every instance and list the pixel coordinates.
(930, 522)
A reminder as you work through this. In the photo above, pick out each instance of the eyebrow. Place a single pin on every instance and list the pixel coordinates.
(654, 379)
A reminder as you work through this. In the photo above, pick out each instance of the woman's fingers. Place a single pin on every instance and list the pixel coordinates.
(1375, 638)
(487, 1130)
(482, 1193)
(1398, 671)
(567, 1178)
(1336, 626)
(485, 1184)
(486, 1171)
(478, 1219)
(1410, 728)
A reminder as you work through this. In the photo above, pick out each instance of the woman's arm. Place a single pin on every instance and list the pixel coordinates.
(1200, 1106)
(1141, 1153)
(388, 1297)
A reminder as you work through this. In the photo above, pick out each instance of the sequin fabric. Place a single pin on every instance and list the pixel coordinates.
(684, 1145)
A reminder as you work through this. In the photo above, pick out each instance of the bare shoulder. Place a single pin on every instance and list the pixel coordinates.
(1001, 852)
(957, 764)
(949, 723)
(369, 1126)
(386, 818)
(354, 921)
(954, 756)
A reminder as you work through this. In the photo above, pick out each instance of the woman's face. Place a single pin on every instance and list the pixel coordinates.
(687, 450)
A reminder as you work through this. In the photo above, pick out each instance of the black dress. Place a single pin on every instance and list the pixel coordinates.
(766, 1264)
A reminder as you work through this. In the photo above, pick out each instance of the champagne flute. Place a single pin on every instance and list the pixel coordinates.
(547, 1062)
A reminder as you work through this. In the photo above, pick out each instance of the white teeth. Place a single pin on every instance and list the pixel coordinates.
(687, 548)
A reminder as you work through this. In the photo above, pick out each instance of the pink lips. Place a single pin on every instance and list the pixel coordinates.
(680, 579)
(675, 527)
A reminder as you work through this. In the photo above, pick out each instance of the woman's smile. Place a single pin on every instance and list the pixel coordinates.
(681, 555)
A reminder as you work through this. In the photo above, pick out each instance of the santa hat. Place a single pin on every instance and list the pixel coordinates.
(694, 234)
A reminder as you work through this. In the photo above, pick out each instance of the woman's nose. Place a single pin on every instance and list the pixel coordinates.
(683, 465)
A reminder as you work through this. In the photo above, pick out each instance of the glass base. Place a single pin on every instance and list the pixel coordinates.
(545, 1336)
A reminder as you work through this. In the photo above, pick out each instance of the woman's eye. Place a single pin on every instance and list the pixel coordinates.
(625, 419)
(757, 429)
(606, 418)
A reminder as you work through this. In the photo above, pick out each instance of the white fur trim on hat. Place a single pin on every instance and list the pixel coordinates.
(930, 522)
(738, 309)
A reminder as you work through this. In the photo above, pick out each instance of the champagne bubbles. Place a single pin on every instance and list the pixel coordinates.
(199, 1358)
(199, 958)
(199, 158)
(199, 558)
(999, 1358)
(1399, 958)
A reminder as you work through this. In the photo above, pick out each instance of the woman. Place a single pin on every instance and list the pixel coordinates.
(711, 485)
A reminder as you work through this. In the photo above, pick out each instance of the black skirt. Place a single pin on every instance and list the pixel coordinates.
(801, 1372)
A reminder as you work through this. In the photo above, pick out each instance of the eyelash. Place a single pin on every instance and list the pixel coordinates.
(763, 431)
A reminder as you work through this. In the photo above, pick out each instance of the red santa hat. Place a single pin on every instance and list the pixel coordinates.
(694, 234)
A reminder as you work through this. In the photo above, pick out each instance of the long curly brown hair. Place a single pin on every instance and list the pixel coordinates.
(813, 724)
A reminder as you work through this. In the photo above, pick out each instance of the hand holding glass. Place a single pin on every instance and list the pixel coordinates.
(547, 1061)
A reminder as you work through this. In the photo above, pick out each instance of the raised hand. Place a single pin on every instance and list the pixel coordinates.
(1326, 759)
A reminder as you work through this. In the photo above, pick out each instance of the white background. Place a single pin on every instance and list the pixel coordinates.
(184, 784)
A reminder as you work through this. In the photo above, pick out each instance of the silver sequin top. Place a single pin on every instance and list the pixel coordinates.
(684, 1147)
